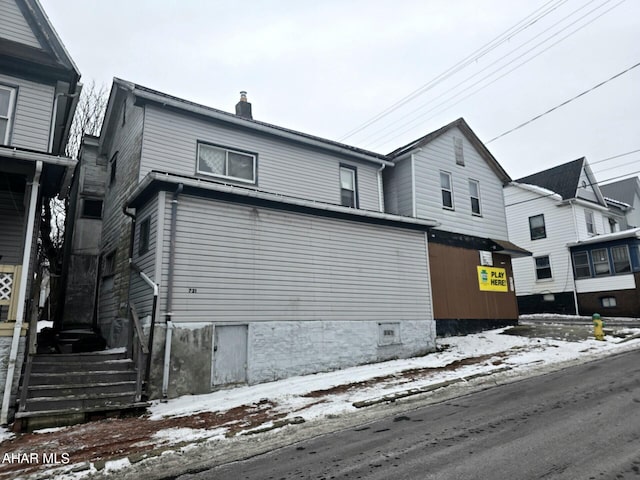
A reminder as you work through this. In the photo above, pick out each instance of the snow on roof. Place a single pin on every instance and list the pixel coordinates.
(539, 190)
(631, 232)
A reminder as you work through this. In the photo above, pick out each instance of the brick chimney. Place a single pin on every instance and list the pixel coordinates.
(243, 108)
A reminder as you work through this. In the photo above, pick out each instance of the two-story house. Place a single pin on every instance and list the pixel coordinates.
(582, 262)
(251, 252)
(623, 197)
(451, 176)
(38, 92)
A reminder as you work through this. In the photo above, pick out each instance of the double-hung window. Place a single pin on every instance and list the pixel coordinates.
(588, 218)
(601, 261)
(581, 266)
(537, 228)
(543, 267)
(348, 186)
(474, 195)
(447, 190)
(225, 163)
(621, 262)
(7, 105)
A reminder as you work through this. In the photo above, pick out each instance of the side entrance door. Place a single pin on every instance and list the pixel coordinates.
(229, 355)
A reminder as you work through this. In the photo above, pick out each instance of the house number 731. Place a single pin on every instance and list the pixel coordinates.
(193, 290)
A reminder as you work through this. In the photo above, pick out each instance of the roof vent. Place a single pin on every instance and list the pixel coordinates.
(243, 107)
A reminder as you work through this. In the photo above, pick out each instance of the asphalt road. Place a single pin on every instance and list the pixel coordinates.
(580, 423)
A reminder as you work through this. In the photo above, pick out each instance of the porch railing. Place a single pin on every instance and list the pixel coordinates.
(9, 287)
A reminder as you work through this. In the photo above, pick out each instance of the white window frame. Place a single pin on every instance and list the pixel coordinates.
(227, 151)
(471, 197)
(535, 265)
(590, 222)
(450, 190)
(353, 172)
(458, 151)
(9, 116)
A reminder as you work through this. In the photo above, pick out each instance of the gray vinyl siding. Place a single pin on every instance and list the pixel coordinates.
(438, 155)
(13, 25)
(253, 264)
(32, 115)
(170, 142)
(116, 227)
(12, 219)
(398, 188)
(141, 292)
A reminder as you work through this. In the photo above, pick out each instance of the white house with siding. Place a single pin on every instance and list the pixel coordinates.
(38, 92)
(554, 213)
(269, 249)
(449, 175)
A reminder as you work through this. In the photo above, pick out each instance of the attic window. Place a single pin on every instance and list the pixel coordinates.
(458, 151)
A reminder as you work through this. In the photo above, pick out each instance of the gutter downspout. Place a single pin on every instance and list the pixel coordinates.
(380, 190)
(54, 116)
(22, 291)
(414, 206)
(169, 314)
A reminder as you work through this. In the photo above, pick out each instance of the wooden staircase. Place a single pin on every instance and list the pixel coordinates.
(66, 388)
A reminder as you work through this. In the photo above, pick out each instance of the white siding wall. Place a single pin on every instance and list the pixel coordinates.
(170, 142)
(141, 292)
(559, 223)
(603, 284)
(13, 25)
(601, 224)
(253, 264)
(32, 118)
(439, 155)
(398, 188)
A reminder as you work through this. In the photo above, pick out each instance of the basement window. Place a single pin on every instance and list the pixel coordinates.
(389, 333)
(608, 302)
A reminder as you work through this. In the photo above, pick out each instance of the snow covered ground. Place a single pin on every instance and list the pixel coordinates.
(222, 415)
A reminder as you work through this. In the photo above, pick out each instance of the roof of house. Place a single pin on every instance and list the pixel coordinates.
(622, 190)
(462, 125)
(561, 179)
(154, 96)
(52, 57)
(629, 233)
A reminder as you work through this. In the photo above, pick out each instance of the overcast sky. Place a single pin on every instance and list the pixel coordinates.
(328, 66)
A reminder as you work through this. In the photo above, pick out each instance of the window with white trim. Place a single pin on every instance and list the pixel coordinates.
(474, 195)
(348, 186)
(621, 260)
(581, 266)
(600, 261)
(608, 302)
(458, 151)
(7, 105)
(225, 163)
(543, 267)
(447, 190)
(591, 226)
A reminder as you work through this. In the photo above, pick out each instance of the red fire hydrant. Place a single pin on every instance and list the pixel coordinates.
(598, 327)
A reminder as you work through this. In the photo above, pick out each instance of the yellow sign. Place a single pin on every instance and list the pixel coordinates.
(492, 279)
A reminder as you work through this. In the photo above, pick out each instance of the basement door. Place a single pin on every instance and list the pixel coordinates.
(229, 355)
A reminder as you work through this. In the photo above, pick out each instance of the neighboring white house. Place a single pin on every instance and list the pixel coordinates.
(624, 196)
(549, 213)
(449, 175)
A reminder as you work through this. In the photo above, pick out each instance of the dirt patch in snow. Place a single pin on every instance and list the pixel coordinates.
(126, 436)
(407, 375)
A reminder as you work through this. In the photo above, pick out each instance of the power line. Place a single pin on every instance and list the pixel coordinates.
(564, 103)
(615, 156)
(414, 119)
(633, 162)
(473, 57)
